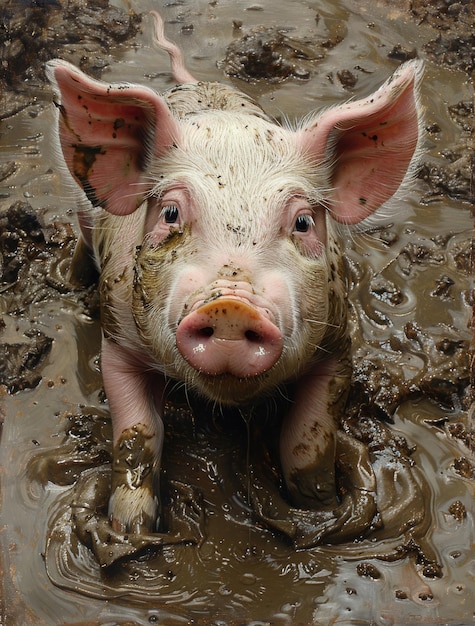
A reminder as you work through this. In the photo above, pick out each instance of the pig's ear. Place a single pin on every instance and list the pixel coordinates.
(367, 144)
(108, 135)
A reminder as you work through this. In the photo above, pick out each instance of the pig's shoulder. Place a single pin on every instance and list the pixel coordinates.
(202, 96)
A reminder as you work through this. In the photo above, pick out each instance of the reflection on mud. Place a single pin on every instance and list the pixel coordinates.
(234, 552)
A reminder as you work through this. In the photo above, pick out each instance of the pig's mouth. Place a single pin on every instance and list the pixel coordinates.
(229, 337)
(230, 390)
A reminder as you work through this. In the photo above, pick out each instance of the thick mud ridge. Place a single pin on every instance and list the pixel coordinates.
(407, 439)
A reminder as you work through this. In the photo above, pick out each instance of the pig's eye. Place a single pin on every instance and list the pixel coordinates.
(303, 223)
(170, 214)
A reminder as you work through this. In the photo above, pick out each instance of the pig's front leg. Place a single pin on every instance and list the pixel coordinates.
(135, 398)
(308, 437)
(311, 448)
(353, 518)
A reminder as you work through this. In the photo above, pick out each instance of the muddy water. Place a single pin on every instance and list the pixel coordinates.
(410, 278)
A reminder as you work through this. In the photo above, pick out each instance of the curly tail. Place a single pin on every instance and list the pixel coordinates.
(177, 63)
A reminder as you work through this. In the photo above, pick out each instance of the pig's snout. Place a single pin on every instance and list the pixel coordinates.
(229, 336)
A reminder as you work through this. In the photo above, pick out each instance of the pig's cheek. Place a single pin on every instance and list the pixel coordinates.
(298, 289)
(279, 288)
(309, 244)
(157, 269)
(313, 308)
(153, 259)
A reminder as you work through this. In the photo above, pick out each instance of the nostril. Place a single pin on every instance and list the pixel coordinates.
(206, 331)
(252, 336)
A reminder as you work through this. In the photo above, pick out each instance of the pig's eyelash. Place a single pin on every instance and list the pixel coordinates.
(170, 212)
(303, 223)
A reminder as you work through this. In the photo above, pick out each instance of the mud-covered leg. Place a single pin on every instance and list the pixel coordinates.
(312, 449)
(308, 438)
(352, 518)
(138, 439)
(133, 506)
(91, 493)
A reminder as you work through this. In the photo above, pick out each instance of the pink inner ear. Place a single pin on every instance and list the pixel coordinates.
(369, 145)
(109, 133)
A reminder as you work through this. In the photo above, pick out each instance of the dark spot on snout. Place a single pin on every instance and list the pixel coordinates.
(118, 123)
(362, 201)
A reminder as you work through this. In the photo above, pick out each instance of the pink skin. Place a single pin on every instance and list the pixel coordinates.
(229, 336)
(311, 399)
(134, 398)
(226, 327)
(110, 137)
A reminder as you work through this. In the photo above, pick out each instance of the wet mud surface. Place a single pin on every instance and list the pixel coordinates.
(35, 32)
(231, 552)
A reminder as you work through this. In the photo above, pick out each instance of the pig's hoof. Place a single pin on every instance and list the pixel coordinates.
(353, 518)
(133, 510)
(305, 528)
(109, 545)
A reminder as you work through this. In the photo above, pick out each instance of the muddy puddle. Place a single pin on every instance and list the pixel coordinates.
(410, 308)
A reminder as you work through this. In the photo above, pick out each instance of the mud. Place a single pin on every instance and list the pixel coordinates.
(227, 547)
(269, 54)
(34, 32)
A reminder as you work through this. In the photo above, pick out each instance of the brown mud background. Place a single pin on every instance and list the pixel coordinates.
(411, 298)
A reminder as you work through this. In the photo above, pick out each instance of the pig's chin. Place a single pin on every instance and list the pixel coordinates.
(230, 390)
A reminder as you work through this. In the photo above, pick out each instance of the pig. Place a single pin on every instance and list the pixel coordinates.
(216, 234)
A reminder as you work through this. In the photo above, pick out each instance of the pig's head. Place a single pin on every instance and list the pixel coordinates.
(233, 269)
(238, 282)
